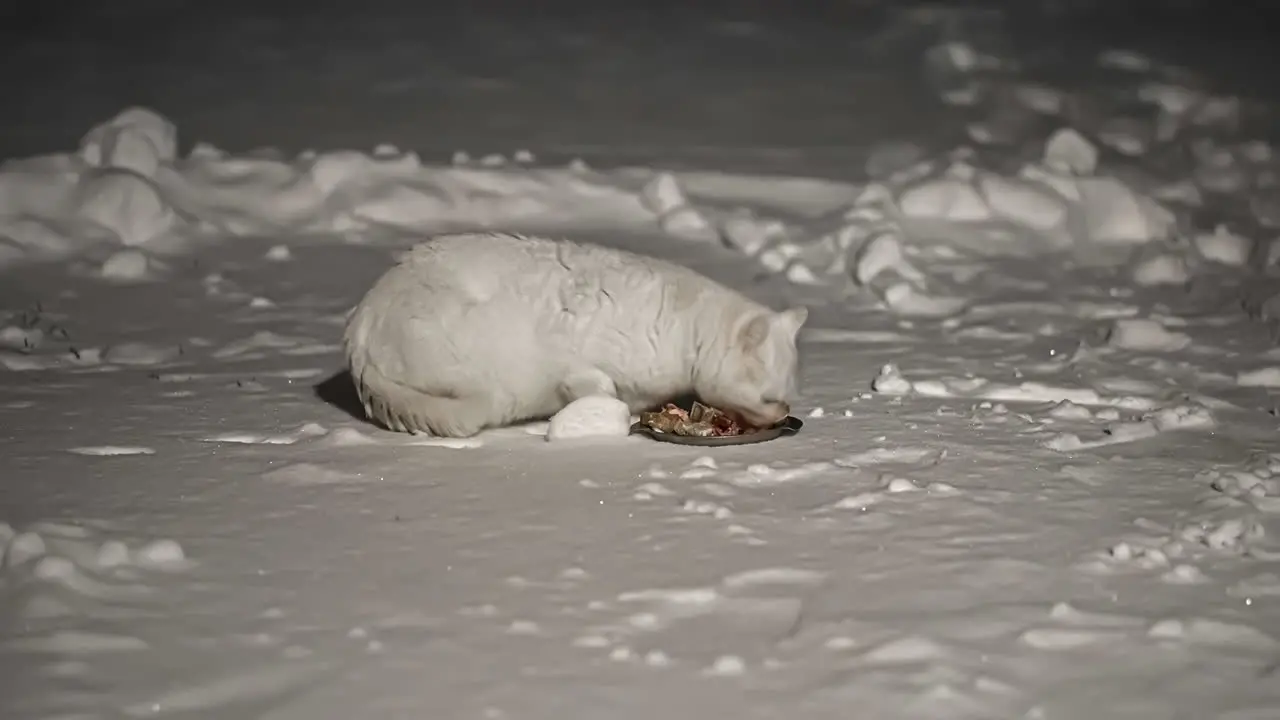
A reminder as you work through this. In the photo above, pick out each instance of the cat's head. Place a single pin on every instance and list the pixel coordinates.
(754, 371)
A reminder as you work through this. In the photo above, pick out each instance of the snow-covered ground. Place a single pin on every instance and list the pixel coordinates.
(1039, 475)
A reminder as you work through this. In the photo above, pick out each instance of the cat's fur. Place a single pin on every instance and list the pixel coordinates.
(478, 330)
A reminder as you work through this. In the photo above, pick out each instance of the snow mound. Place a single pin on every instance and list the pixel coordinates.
(1090, 188)
(594, 416)
(902, 230)
(128, 186)
(138, 139)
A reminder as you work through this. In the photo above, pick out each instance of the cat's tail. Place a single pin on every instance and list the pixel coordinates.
(398, 407)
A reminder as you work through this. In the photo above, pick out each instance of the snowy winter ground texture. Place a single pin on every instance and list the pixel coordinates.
(1039, 474)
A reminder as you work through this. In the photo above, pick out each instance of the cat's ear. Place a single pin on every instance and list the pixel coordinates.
(754, 332)
(790, 321)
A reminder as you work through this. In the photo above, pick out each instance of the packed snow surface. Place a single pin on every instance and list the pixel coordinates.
(1039, 475)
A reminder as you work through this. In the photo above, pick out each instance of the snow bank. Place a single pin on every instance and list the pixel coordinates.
(128, 194)
(127, 187)
(1092, 186)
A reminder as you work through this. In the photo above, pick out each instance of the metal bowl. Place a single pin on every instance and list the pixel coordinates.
(790, 426)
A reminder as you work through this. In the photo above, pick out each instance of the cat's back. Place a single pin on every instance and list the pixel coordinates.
(474, 267)
(490, 254)
(557, 275)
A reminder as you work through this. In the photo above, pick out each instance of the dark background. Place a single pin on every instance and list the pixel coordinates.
(642, 81)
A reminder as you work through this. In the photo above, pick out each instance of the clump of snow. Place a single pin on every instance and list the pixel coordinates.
(727, 666)
(890, 381)
(952, 197)
(664, 197)
(23, 548)
(1145, 334)
(17, 337)
(52, 568)
(1027, 204)
(896, 484)
(1162, 269)
(130, 265)
(112, 553)
(127, 206)
(748, 234)
(138, 140)
(1114, 212)
(1268, 377)
(160, 554)
(883, 253)
(1182, 417)
(1224, 247)
(1070, 152)
(594, 416)
(1067, 410)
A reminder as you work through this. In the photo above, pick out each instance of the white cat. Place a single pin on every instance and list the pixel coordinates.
(478, 330)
